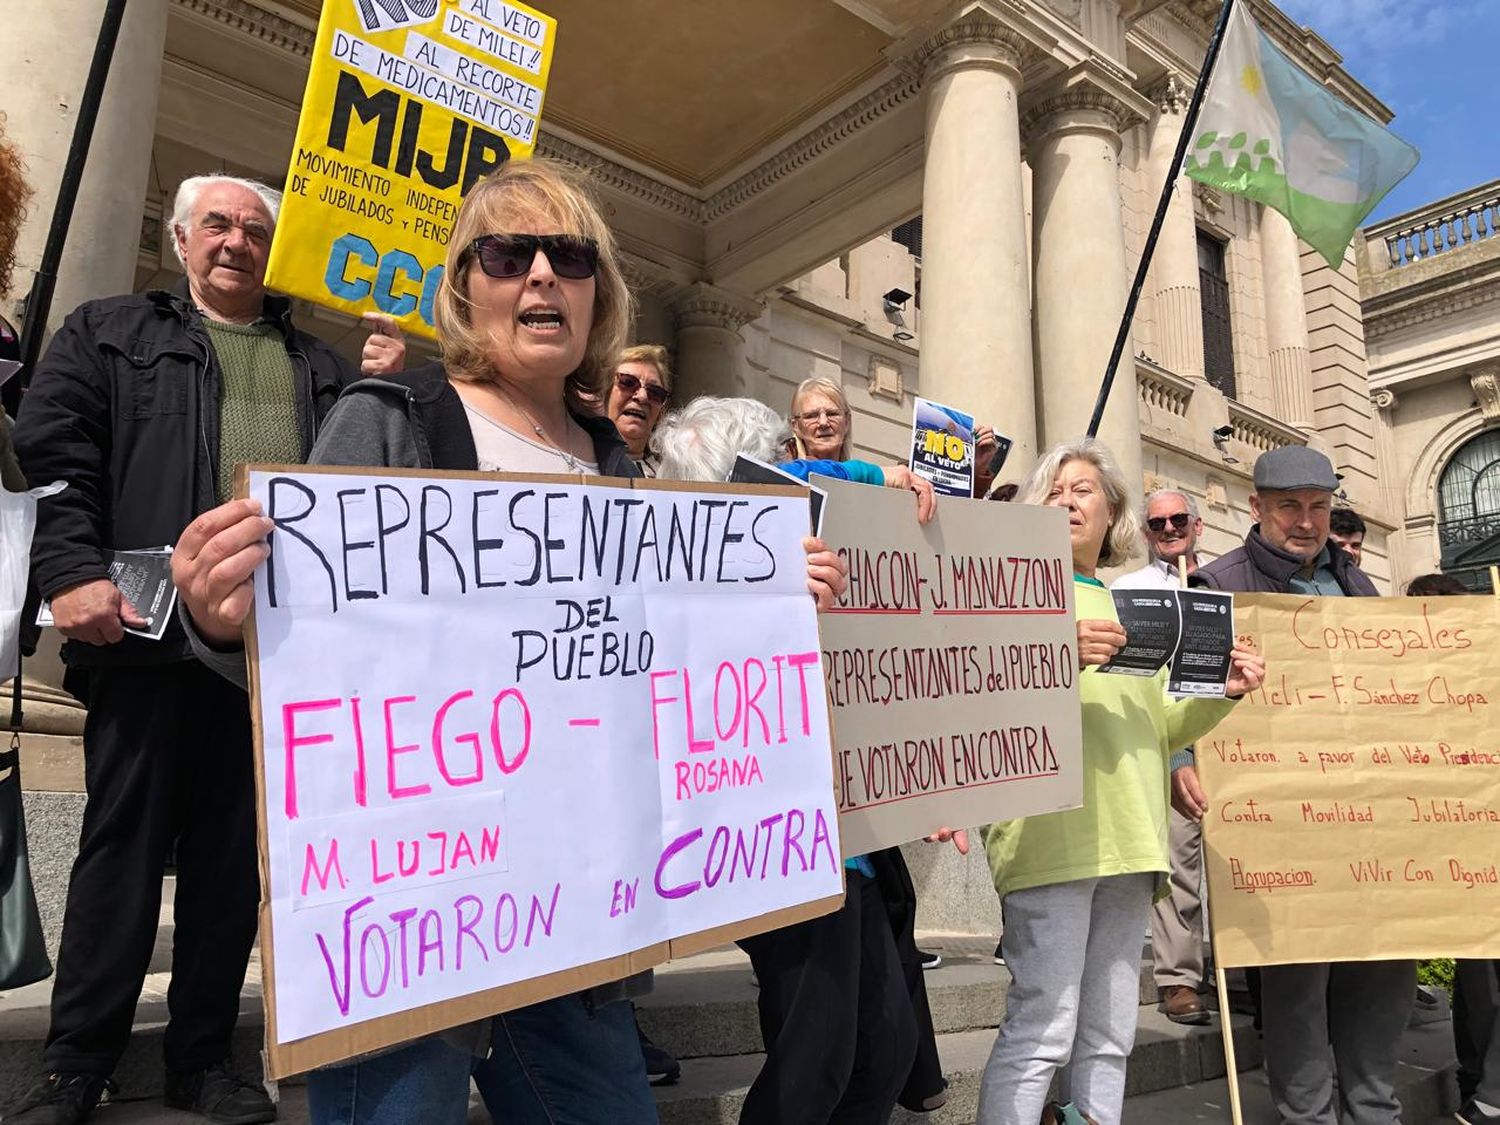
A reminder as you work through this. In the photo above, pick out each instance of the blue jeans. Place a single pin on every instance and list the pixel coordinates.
(427, 1080)
(560, 1062)
(566, 1062)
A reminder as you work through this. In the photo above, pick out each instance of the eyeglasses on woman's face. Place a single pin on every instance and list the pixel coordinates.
(812, 417)
(509, 256)
(630, 385)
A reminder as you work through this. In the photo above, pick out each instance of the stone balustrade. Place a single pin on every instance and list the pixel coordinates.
(1261, 432)
(1160, 390)
(1444, 226)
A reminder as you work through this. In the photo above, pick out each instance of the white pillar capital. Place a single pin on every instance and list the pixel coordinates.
(971, 34)
(1090, 96)
(701, 305)
(1384, 400)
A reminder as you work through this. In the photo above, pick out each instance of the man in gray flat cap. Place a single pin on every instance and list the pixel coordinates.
(1344, 1017)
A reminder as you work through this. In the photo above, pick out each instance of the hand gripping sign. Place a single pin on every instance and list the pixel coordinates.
(408, 104)
(516, 738)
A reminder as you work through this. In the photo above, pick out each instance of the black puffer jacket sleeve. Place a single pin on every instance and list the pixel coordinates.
(63, 433)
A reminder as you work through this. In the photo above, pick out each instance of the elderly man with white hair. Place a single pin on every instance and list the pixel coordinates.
(145, 404)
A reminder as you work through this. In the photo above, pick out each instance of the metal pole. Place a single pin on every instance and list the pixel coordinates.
(1215, 41)
(39, 303)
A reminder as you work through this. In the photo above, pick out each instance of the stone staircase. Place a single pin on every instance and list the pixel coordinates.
(704, 1011)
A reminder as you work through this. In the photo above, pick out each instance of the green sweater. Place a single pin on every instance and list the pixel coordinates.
(1130, 729)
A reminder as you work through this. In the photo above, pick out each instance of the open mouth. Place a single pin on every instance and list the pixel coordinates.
(542, 319)
(633, 411)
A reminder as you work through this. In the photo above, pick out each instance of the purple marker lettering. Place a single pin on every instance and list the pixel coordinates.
(792, 838)
(401, 918)
(769, 824)
(435, 945)
(341, 996)
(364, 961)
(537, 915)
(466, 929)
(683, 889)
(507, 899)
(720, 840)
(822, 835)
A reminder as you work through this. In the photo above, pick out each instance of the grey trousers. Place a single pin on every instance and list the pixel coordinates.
(1478, 1005)
(1345, 1018)
(1177, 920)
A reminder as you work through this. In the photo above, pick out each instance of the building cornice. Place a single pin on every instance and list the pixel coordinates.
(1454, 294)
(256, 22)
(614, 175)
(809, 147)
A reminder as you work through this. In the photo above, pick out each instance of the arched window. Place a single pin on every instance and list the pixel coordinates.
(1469, 510)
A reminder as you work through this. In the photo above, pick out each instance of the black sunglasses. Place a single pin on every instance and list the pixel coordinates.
(506, 256)
(630, 384)
(1179, 521)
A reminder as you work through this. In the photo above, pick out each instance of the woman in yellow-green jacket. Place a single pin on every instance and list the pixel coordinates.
(1076, 887)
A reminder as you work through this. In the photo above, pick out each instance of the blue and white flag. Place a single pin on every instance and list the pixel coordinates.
(1269, 132)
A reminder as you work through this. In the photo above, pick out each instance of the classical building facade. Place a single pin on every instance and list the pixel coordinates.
(764, 165)
(1430, 291)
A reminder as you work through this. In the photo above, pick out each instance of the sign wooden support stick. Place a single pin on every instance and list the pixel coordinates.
(1495, 581)
(1226, 1026)
(1182, 570)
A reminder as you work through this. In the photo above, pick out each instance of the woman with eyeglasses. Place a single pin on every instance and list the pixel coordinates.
(637, 397)
(531, 318)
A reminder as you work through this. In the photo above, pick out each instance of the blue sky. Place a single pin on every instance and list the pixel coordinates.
(1432, 62)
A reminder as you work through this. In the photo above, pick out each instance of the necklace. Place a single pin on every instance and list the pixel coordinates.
(550, 445)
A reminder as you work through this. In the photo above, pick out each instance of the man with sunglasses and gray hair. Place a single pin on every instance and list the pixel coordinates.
(1171, 529)
(144, 404)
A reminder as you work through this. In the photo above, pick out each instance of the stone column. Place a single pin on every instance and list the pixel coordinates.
(41, 87)
(1174, 267)
(1073, 140)
(1286, 321)
(710, 352)
(976, 333)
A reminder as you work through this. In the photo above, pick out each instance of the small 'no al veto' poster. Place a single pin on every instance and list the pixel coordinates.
(408, 104)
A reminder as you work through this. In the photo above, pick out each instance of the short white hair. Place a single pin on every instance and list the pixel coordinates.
(701, 441)
(1121, 539)
(1156, 494)
(191, 188)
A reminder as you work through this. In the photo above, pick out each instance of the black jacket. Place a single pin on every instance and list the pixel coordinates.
(1259, 568)
(416, 420)
(124, 406)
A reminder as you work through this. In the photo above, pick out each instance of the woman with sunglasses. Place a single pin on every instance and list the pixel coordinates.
(531, 317)
(638, 395)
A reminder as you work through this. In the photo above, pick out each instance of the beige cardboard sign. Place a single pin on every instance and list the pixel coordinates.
(951, 665)
(1354, 801)
(499, 758)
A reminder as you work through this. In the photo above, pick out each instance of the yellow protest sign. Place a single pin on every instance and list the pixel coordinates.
(408, 104)
(1354, 801)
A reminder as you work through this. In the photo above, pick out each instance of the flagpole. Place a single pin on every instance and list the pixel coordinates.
(1173, 175)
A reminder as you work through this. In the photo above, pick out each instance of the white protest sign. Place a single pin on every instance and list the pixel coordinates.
(513, 729)
(952, 665)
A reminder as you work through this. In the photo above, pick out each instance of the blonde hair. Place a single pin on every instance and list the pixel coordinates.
(550, 193)
(655, 355)
(821, 384)
(1124, 530)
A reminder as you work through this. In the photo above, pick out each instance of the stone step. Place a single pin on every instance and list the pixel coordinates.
(706, 1006)
(712, 1090)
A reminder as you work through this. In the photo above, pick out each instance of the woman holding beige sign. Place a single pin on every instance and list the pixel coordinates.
(1076, 887)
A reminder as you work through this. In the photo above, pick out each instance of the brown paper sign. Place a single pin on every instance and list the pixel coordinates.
(1354, 801)
(951, 665)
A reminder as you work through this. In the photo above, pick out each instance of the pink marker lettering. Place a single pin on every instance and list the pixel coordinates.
(396, 791)
(291, 740)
